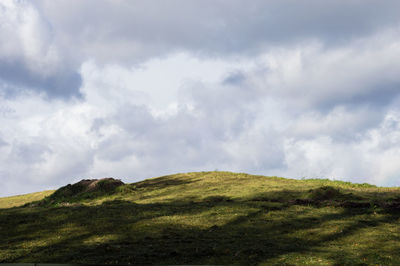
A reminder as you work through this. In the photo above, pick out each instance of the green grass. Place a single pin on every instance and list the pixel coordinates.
(210, 218)
(20, 200)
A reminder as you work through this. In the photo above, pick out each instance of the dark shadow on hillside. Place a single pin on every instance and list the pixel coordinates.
(161, 182)
(329, 196)
(245, 239)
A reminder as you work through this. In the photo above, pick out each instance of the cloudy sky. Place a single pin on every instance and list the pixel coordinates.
(138, 89)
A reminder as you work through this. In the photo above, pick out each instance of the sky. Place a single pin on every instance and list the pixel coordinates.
(139, 89)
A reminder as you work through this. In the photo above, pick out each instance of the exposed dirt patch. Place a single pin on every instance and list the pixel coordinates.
(104, 184)
(86, 188)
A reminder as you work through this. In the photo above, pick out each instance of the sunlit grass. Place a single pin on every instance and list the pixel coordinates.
(20, 200)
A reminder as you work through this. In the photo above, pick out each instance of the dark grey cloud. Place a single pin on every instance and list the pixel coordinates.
(16, 77)
(236, 78)
(213, 28)
(3, 143)
(382, 95)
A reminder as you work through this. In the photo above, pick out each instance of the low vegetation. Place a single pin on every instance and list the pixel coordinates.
(20, 200)
(206, 218)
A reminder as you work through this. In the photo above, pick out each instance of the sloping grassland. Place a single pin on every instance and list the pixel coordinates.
(208, 218)
(20, 200)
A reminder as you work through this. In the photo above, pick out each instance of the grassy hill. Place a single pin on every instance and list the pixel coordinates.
(206, 218)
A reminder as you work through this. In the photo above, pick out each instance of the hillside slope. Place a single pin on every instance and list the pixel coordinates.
(15, 201)
(208, 218)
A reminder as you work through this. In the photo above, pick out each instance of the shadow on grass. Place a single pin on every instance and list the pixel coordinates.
(122, 232)
(161, 182)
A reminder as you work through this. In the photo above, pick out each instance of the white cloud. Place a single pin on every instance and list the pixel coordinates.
(372, 158)
(220, 91)
(29, 57)
(157, 83)
(311, 76)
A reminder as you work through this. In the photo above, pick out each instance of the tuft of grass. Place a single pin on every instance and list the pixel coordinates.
(209, 218)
